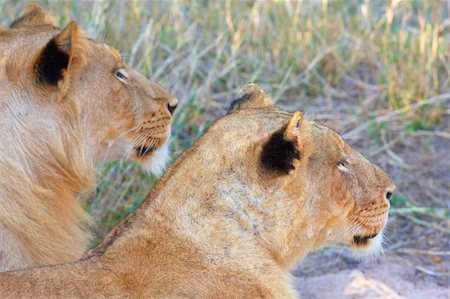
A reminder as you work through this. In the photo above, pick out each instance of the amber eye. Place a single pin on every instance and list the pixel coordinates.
(342, 165)
(122, 75)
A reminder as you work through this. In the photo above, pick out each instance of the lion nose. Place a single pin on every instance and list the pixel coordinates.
(171, 108)
(172, 105)
(389, 192)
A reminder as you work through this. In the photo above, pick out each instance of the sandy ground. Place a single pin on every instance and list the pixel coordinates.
(385, 277)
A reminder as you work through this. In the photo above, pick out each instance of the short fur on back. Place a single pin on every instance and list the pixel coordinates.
(66, 104)
(221, 223)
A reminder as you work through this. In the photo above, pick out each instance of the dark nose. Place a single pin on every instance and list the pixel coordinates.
(171, 108)
(389, 191)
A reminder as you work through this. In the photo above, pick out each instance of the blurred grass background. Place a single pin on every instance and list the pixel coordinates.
(376, 71)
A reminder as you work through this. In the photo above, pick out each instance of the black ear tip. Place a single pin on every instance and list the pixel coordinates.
(15, 22)
(237, 102)
(51, 64)
(278, 154)
(252, 97)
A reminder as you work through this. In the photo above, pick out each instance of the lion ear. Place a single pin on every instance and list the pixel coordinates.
(282, 148)
(33, 15)
(62, 57)
(251, 97)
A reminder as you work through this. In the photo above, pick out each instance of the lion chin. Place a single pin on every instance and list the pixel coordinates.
(158, 160)
(368, 247)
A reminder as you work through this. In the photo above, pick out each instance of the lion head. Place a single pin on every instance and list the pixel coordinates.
(66, 103)
(120, 113)
(311, 188)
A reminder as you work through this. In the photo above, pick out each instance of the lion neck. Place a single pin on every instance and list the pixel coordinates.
(47, 167)
(51, 147)
(209, 200)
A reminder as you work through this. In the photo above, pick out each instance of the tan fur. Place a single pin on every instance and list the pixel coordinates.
(219, 226)
(34, 15)
(53, 136)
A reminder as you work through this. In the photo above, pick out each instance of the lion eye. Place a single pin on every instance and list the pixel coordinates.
(342, 165)
(121, 75)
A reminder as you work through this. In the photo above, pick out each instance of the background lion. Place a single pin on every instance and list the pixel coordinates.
(260, 190)
(66, 102)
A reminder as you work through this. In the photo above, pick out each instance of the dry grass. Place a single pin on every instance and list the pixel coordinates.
(376, 71)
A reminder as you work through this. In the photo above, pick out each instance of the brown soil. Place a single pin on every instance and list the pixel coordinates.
(385, 278)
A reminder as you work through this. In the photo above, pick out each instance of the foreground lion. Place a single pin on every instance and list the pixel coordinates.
(255, 194)
(66, 102)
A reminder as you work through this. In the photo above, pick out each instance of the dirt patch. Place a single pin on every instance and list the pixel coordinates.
(382, 279)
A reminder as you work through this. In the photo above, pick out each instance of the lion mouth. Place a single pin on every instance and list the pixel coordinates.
(142, 151)
(363, 240)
